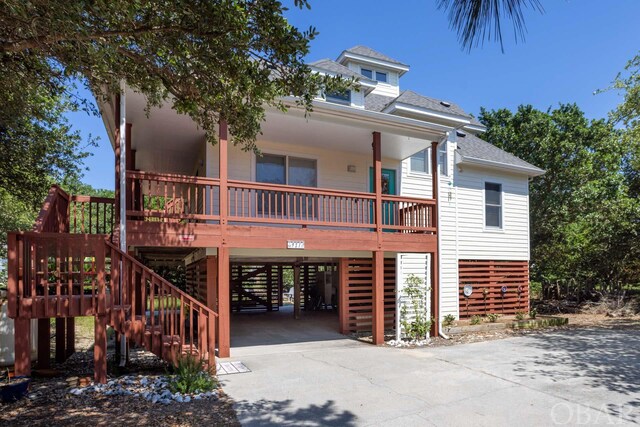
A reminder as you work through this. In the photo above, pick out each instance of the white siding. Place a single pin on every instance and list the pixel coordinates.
(462, 231)
(477, 242)
(416, 264)
(391, 88)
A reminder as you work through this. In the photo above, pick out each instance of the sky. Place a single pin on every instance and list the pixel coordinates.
(575, 48)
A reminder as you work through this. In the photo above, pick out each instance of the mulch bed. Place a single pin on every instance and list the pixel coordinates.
(50, 404)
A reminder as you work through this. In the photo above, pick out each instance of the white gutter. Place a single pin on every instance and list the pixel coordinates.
(123, 201)
(498, 165)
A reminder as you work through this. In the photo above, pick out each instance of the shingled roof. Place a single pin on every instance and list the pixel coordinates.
(471, 147)
(367, 51)
(339, 69)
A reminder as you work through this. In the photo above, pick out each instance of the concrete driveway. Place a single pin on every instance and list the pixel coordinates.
(574, 377)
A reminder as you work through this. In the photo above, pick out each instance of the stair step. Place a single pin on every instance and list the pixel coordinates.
(170, 340)
(125, 307)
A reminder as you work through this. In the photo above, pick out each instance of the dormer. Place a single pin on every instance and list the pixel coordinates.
(373, 65)
(352, 98)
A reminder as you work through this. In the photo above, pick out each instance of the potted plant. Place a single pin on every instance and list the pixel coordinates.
(14, 388)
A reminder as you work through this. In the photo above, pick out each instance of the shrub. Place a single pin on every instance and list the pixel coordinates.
(533, 313)
(519, 316)
(475, 320)
(448, 320)
(493, 317)
(413, 314)
(191, 376)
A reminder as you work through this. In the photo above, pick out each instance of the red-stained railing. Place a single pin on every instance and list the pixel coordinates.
(178, 198)
(62, 213)
(68, 275)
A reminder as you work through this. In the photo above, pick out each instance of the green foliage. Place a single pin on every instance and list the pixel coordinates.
(210, 59)
(475, 320)
(519, 316)
(493, 317)
(583, 220)
(448, 320)
(533, 313)
(413, 314)
(191, 376)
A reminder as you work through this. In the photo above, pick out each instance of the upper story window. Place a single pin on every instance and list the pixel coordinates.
(379, 76)
(443, 159)
(420, 161)
(492, 205)
(343, 97)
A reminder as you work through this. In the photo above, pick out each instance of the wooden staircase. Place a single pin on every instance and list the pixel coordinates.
(62, 270)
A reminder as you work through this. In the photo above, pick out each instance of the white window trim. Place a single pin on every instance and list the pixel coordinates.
(375, 70)
(428, 163)
(286, 155)
(445, 163)
(490, 229)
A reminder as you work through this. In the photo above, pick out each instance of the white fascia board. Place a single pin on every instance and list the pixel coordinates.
(415, 126)
(465, 160)
(399, 106)
(401, 69)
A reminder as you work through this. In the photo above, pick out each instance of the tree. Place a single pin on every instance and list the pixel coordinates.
(210, 59)
(581, 211)
(478, 20)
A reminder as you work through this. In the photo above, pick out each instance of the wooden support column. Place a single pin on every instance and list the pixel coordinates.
(223, 147)
(377, 183)
(377, 314)
(116, 208)
(224, 303)
(269, 287)
(22, 364)
(44, 343)
(129, 197)
(100, 349)
(296, 291)
(435, 285)
(70, 336)
(61, 340)
(343, 302)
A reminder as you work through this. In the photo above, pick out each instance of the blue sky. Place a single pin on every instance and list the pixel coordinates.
(575, 48)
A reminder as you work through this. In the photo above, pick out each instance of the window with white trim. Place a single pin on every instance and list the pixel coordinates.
(377, 75)
(419, 162)
(492, 205)
(443, 159)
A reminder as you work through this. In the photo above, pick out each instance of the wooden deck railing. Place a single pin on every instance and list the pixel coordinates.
(178, 198)
(62, 213)
(68, 275)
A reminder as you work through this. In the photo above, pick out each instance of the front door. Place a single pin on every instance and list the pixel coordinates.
(388, 187)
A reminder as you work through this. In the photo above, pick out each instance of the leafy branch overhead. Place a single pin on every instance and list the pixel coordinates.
(210, 58)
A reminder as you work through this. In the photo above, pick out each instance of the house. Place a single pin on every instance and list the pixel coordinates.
(344, 201)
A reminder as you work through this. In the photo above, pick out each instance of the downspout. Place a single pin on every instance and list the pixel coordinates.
(437, 178)
(123, 201)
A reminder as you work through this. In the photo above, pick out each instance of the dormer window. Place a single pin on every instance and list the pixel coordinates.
(342, 97)
(379, 76)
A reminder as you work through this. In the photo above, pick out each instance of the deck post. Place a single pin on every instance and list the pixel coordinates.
(223, 148)
(224, 303)
(100, 349)
(44, 343)
(377, 314)
(435, 285)
(343, 302)
(377, 183)
(22, 363)
(70, 336)
(61, 341)
(296, 291)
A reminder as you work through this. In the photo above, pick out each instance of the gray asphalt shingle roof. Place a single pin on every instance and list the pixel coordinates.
(375, 102)
(367, 51)
(471, 146)
(339, 69)
(412, 98)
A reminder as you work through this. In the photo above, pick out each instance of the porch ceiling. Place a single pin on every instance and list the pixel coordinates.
(169, 142)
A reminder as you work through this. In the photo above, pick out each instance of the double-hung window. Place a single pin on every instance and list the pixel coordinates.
(341, 97)
(492, 205)
(286, 170)
(420, 161)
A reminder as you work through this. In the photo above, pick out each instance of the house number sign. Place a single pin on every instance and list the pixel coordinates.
(295, 244)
